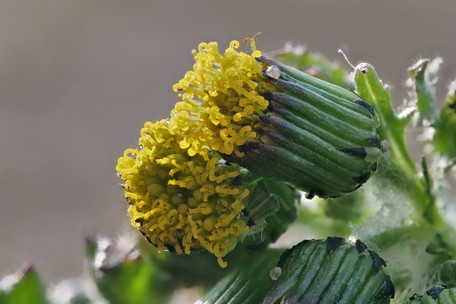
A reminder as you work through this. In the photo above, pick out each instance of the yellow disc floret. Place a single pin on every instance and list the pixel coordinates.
(179, 202)
(221, 101)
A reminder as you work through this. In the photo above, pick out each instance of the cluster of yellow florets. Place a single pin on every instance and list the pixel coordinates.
(179, 202)
(221, 102)
(182, 196)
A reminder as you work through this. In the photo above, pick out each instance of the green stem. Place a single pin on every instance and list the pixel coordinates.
(393, 128)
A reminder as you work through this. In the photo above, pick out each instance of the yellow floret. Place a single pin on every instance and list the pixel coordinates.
(179, 202)
(221, 101)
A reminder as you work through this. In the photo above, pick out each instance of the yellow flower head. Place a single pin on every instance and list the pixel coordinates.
(221, 100)
(179, 202)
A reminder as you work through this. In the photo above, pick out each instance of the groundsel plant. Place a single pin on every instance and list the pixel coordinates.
(279, 178)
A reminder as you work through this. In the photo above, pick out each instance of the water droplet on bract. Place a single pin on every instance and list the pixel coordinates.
(275, 273)
(384, 146)
(273, 72)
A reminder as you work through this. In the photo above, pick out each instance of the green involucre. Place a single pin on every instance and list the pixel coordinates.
(316, 136)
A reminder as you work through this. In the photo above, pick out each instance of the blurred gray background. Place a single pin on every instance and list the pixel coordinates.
(78, 78)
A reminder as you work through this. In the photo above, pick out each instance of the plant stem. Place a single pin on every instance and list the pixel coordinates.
(393, 129)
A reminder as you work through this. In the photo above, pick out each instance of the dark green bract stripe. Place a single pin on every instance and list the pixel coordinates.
(316, 144)
(353, 103)
(327, 162)
(328, 104)
(283, 164)
(328, 136)
(323, 120)
(311, 80)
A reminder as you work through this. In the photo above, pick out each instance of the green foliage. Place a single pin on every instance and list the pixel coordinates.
(319, 225)
(272, 208)
(22, 287)
(423, 77)
(314, 64)
(448, 273)
(122, 275)
(348, 208)
(444, 141)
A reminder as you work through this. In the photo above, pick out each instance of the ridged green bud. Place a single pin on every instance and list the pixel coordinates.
(313, 271)
(316, 136)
